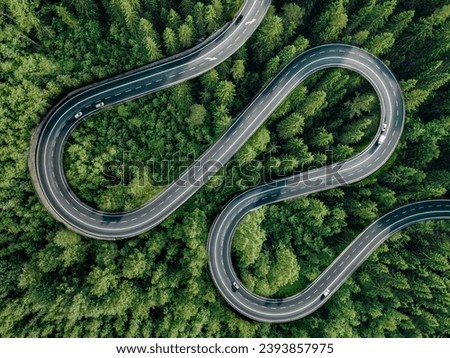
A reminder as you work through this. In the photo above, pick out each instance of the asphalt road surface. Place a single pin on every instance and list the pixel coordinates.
(306, 302)
(47, 147)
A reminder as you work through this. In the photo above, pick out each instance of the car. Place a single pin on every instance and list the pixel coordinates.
(78, 115)
(235, 286)
(326, 293)
(383, 127)
(381, 139)
(99, 105)
(239, 19)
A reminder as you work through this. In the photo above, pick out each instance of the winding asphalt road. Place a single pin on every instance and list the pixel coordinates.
(309, 300)
(47, 147)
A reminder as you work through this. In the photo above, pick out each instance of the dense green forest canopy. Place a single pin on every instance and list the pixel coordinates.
(54, 282)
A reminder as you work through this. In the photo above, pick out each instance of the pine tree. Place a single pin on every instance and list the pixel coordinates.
(332, 21)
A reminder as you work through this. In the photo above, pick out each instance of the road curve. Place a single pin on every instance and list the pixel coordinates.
(306, 302)
(47, 147)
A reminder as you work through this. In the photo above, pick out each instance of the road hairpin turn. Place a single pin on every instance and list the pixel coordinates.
(47, 147)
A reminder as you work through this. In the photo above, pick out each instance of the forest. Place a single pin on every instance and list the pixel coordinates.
(56, 283)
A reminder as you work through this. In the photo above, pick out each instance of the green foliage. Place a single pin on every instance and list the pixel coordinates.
(198, 114)
(249, 238)
(55, 283)
(332, 21)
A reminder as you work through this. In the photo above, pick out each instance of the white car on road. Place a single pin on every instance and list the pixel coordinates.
(381, 139)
